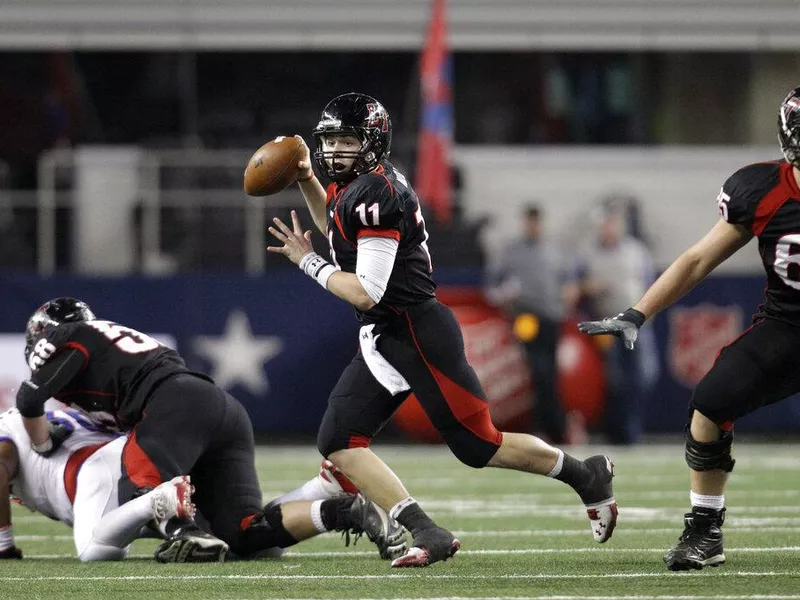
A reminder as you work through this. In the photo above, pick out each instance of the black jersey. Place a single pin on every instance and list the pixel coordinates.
(121, 369)
(765, 199)
(381, 203)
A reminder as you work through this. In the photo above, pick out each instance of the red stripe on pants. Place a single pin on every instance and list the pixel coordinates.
(358, 441)
(470, 410)
(74, 464)
(138, 466)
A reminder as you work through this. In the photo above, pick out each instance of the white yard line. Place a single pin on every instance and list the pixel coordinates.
(433, 575)
(498, 552)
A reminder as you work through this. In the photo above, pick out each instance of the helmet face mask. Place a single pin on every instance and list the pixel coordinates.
(51, 314)
(364, 118)
(789, 127)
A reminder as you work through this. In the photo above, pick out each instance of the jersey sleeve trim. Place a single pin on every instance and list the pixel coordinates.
(384, 233)
(79, 347)
(767, 207)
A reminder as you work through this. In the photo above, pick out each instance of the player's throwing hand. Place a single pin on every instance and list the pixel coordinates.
(297, 243)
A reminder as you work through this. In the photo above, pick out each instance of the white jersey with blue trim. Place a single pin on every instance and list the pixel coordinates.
(39, 482)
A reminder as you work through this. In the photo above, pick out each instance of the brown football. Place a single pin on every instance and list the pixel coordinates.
(273, 167)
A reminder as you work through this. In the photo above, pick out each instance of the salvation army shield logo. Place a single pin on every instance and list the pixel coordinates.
(696, 336)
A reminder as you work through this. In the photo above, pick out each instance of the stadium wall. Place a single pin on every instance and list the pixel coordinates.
(279, 344)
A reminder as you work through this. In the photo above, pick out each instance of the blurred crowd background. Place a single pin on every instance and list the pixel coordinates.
(125, 128)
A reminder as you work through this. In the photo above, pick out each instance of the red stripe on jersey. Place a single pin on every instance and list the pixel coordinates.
(768, 206)
(330, 192)
(138, 466)
(80, 347)
(338, 222)
(74, 464)
(380, 171)
(358, 441)
(470, 410)
(90, 392)
(387, 233)
(791, 181)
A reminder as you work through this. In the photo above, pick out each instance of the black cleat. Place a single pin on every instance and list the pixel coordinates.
(190, 544)
(366, 517)
(700, 544)
(429, 546)
(598, 497)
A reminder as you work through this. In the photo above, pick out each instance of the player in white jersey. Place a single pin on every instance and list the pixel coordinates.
(78, 485)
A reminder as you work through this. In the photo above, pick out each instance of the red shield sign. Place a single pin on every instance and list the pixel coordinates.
(696, 336)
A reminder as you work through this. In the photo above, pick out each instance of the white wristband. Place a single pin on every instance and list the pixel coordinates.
(45, 446)
(316, 267)
(6, 537)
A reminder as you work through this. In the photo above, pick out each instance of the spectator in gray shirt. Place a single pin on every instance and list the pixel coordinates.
(527, 283)
(615, 270)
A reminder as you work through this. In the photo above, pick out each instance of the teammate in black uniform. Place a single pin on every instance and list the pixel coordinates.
(180, 423)
(760, 367)
(409, 341)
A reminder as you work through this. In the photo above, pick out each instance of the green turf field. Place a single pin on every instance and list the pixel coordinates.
(522, 536)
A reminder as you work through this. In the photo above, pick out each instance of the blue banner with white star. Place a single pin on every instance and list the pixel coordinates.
(278, 342)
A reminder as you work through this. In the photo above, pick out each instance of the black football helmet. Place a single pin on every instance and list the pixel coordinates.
(51, 314)
(359, 115)
(789, 127)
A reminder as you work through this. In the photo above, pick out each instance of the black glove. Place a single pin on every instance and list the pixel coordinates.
(625, 325)
(10, 553)
(59, 432)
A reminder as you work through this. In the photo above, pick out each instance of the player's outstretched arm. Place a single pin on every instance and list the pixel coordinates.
(689, 269)
(694, 265)
(8, 468)
(312, 189)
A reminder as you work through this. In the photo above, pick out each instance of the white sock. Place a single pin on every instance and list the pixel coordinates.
(714, 502)
(559, 464)
(310, 490)
(121, 526)
(316, 516)
(400, 506)
(6, 537)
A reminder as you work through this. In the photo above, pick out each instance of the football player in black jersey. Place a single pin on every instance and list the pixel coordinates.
(408, 340)
(760, 367)
(179, 423)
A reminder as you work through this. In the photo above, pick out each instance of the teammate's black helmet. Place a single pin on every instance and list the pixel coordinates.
(789, 127)
(53, 313)
(359, 115)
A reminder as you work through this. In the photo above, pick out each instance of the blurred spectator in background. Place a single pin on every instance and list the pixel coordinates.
(612, 271)
(526, 282)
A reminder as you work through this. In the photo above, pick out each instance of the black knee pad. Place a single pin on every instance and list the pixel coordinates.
(266, 530)
(706, 456)
(329, 438)
(469, 449)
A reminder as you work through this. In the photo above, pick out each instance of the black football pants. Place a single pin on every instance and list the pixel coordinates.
(191, 426)
(426, 347)
(760, 367)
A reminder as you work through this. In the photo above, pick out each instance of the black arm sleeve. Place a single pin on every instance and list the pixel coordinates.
(48, 381)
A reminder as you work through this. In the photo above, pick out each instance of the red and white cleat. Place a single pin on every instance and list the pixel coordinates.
(334, 481)
(430, 546)
(173, 499)
(601, 507)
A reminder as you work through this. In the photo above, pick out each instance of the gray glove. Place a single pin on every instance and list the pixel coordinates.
(59, 432)
(625, 325)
